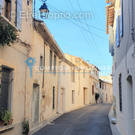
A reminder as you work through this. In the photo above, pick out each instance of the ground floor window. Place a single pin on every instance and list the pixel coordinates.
(93, 91)
(6, 79)
(120, 92)
(53, 104)
(73, 96)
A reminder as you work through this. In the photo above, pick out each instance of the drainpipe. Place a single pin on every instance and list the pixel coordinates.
(25, 96)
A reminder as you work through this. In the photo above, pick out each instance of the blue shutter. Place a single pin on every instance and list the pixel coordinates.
(117, 33)
(121, 20)
(18, 14)
(1, 6)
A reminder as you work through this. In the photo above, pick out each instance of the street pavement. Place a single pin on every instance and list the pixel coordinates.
(90, 120)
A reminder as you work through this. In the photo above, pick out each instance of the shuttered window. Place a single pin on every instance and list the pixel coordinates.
(18, 14)
(54, 63)
(118, 32)
(121, 20)
(50, 60)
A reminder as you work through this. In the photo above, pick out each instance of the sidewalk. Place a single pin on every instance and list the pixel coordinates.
(114, 128)
(44, 123)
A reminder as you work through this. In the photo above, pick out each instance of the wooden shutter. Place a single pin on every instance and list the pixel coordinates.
(1, 6)
(118, 33)
(121, 20)
(18, 14)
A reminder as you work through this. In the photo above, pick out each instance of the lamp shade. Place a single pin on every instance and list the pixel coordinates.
(44, 8)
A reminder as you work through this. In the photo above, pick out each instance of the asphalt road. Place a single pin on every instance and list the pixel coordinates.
(90, 120)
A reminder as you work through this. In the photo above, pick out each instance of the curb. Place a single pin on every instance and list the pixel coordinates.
(114, 128)
(43, 124)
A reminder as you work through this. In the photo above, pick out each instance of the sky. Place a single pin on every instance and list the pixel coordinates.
(85, 38)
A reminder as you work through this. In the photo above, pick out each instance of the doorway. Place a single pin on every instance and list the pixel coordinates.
(62, 100)
(130, 105)
(35, 104)
(84, 95)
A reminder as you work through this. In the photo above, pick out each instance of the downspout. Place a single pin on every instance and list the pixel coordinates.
(25, 96)
(43, 69)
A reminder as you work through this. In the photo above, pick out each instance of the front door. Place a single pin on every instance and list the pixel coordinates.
(35, 104)
(62, 101)
(84, 96)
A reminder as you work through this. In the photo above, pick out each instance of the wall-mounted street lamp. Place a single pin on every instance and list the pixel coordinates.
(43, 9)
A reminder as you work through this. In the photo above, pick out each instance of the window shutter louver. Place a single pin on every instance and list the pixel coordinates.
(121, 20)
(18, 14)
(1, 6)
(117, 33)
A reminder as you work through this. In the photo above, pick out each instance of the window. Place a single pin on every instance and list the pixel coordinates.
(84, 73)
(64, 69)
(28, 2)
(7, 9)
(73, 96)
(120, 92)
(118, 32)
(53, 103)
(121, 20)
(54, 63)
(93, 92)
(41, 65)
(100, 83)
(6, 78)
(73, 75)
(50, 60)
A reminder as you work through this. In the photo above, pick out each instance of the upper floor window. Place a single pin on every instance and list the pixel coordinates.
(12, 13)
(73, 75)
(7, 9)
(54, 63)
(28, 2)
(84, 73)
(50, 60)
(41, 65)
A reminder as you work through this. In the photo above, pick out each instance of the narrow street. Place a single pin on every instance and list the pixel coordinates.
(91, 120)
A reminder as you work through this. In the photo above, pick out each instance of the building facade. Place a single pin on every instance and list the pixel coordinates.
(122, 45)
(13, 69)
(88, 75)
(32, 86)
(106, 91)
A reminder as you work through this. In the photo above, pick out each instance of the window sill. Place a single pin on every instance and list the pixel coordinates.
(5, 20)
(6, 128)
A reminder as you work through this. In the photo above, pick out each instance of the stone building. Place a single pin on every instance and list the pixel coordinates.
(106, 91)
(32, 86)
(13, 69)
(88, 79)
(122, 48)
